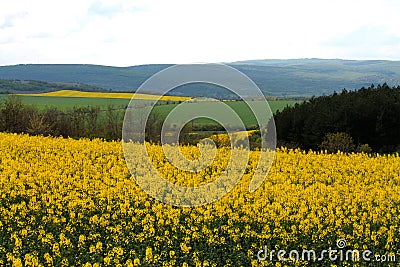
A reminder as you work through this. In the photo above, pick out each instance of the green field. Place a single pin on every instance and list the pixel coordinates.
(65, 103)
(239, 107)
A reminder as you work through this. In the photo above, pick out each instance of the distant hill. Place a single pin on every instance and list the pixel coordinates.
(275, 77)
(318, 76)
(32, 86)
(109, 78)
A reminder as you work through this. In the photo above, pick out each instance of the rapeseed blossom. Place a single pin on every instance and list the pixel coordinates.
(66, 202)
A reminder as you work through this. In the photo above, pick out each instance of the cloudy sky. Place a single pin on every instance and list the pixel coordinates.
(132, 32)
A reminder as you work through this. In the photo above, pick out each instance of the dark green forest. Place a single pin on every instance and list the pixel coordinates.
(366, 118)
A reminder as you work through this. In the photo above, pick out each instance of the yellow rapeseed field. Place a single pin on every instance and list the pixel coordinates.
(68, 202)
(73, 93)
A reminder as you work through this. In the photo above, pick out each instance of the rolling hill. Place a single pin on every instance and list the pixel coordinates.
(275, 77)
(32, 86)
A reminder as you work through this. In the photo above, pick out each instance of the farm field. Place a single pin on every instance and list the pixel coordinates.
(65, 100)
(68, 99)
(64, 103)
(66, 202)
(239, 107)
(72, 93)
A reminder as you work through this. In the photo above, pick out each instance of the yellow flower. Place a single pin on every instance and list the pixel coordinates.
(149, 254)
(107, 260)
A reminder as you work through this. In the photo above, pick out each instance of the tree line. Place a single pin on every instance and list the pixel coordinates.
(77, 122)
(365, 119)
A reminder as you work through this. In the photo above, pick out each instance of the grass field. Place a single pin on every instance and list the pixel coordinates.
(66, 99)
(239, 107)
(64, 103)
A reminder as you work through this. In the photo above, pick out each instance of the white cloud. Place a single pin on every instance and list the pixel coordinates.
(154, 31)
